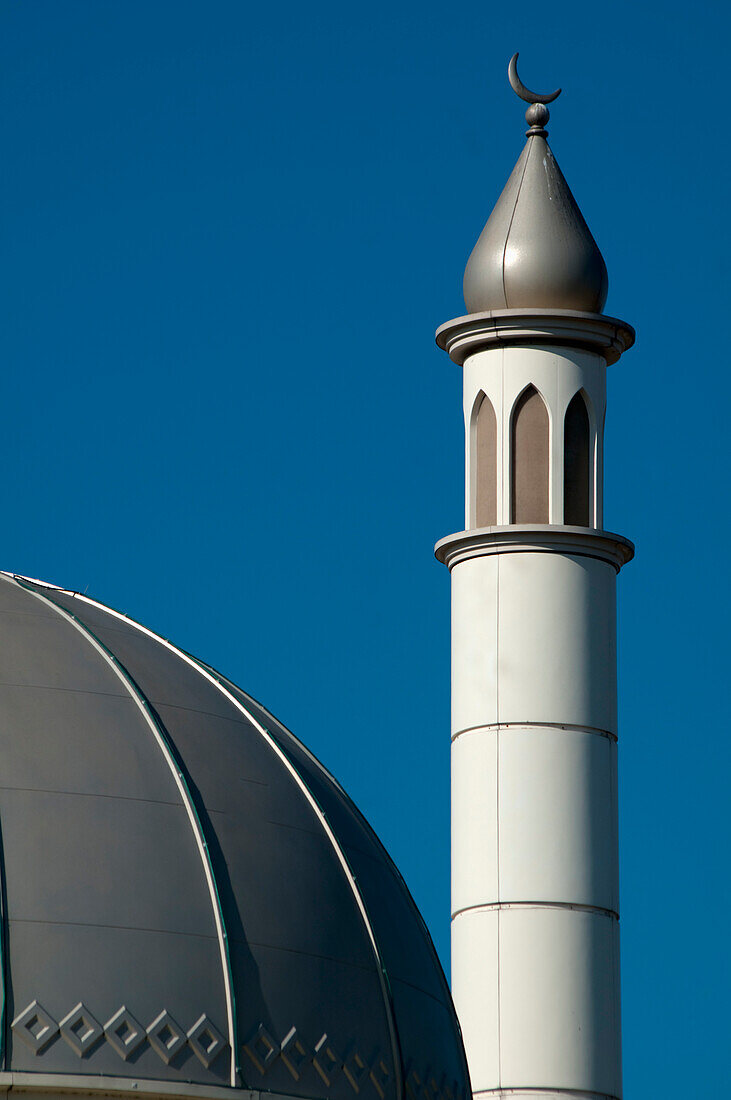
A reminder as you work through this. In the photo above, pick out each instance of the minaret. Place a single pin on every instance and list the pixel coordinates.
(535, 906)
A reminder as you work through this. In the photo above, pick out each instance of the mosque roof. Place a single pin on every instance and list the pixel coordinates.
(536, 250)
(188, 896)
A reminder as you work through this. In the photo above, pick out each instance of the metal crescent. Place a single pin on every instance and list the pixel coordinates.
(520, 89)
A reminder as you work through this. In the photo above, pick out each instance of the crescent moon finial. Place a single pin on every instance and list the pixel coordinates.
(520, 89)
(537, 114)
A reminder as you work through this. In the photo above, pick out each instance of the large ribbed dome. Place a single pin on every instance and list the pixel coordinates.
(187, 894)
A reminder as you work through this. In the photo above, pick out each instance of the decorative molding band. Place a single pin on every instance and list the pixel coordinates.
(605, 336)
(83, 1032)
(264, 1051)
(297, 1055)
(359, 1070)
(40, 1085)
(427, 1086)
(365, 1073)
(539, 538)
(497, 906)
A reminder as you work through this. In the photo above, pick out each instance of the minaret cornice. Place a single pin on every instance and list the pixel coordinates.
(464, 336)
(525, 538)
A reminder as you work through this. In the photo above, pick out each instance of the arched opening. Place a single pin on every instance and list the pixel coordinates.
(485, 464)
(577, 464)
(530, 459)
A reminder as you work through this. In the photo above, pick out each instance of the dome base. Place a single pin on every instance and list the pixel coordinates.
(464, 336)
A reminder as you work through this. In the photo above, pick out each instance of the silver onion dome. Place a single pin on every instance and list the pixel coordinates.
(536, 250)
(188, 898)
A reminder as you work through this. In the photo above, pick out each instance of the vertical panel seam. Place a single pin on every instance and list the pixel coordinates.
(510, 226)
(4, 957)
(555, 463)
(497, 715)
(497, 815)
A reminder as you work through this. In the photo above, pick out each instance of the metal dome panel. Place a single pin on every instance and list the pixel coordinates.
(187, 894)
(536, 250)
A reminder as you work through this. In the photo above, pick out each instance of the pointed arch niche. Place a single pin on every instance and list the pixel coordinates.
(577, 463)
(484, 467)
(529, 459)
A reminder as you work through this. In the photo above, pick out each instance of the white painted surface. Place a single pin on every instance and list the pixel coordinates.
(558, 839)
(475, 643)
(534, 818)
(534, 640)
(474, 819)
(557, 640)
(559, 1000)
(558, 374)
(555, 1020)
(535, 934)
(475, 985)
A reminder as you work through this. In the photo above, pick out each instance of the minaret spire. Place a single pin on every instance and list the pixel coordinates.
(535, 907)
(536, 249)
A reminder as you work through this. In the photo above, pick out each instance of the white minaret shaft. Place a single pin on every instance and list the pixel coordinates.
(535, 903)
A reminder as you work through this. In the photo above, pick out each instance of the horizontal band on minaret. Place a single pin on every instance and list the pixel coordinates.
(475, 332)
(495, 727)
(496, 906)
(543, 1094)
(545, 538)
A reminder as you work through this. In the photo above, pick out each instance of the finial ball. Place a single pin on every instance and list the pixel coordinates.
(537, 114)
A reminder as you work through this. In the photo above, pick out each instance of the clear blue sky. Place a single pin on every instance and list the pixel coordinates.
(228, 232)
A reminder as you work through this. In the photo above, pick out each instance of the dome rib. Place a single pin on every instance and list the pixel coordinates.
(299, 780)
(161, 739)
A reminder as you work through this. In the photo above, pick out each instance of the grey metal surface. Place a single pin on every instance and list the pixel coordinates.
(96, 855)
(105, 897)
(418, 987)
(525, 93)
(536, 250)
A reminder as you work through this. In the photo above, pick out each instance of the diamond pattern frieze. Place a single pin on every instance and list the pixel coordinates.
(35, 1027)
(295, 1054)
(124, 1032)
(262, 1049)
(414, 1085)
(165, 1036)
(81, 1029)
(326, 1061)
(450, 1090)
(356, 1070)
(431, 1090)
(379, 1076)
(205, 1040)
